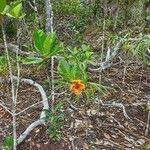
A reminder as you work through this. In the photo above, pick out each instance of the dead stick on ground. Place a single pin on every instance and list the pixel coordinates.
(41, 120)
(114, 104)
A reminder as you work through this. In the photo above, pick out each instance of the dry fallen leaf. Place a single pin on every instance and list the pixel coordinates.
(85, 146)
(107, 136)
(38, 145)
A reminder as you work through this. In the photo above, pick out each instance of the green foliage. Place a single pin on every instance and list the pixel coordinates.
(74, 64)
(54, 118)
(45, 46)
(8, 143)
(2, 5)
(32, 60)
(148, 107)
(68, 71)
(3, 65)
(146, 146)
(69, 7)
(14, 10)
(74, 67)
(141, 49)
(79, 14)
(81, 55)
(39, 37)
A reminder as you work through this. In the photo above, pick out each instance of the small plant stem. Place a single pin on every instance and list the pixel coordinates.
(52, 77)
(124, 75)
(17, 60)
(102, 48)
(148, 120)
(101, 59)
(116, 19)
(12, 90)
(36, 13)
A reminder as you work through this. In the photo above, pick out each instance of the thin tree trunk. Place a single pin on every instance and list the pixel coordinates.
(49, 28)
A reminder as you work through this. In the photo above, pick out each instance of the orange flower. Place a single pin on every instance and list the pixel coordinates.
(77, 87)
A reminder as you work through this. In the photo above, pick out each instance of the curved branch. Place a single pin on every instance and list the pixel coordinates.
(109, 57)
(29, 129)
(41, 120)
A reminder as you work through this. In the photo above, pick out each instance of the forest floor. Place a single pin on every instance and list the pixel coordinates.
(117, 121)
(93, 127)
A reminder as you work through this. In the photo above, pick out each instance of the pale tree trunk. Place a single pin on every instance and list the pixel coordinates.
(49, 28)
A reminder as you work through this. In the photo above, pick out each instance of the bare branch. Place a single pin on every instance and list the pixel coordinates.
(29, 129)
(42, 116)
(148, 119)
(109, 58)
(31, 106)
(114, 104)
(6, 108)
(15, 48)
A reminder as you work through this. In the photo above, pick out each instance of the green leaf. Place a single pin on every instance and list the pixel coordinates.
(32, 60)
(2, 5)
(58, 106)
(8, 141)
(148, 107)
(102, 89)
(50, 43)
(38, 38)
(46, 45)
(74, 71)
(64, 70)
(15, 10)
(58, 47)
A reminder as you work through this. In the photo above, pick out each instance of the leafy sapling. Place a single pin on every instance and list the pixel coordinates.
(73, 71)
(45, 46)
(54, 120)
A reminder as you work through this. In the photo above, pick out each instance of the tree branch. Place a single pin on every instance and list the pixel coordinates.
(15, 49)
(41, 120)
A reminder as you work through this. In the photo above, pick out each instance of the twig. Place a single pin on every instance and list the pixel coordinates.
(34, 7)
(72, 106)
(148, 120)
(6, 108)
(31, 106)
(29, 129)
(17, 63)
(49, 16)
(102, 49)
(120, 146)
(72, 143)
(120, 105)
